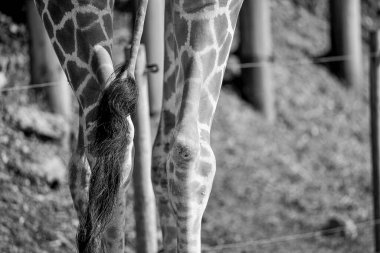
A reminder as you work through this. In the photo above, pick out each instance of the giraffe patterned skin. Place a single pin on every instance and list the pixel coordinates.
(198, 36)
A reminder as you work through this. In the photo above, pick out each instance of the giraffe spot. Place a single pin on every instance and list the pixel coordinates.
(76, 74)
(208, 63)
(181, 176)
(91, 116)
(65, 37)
(169, 119)
(100, 4)
(182, 218)
(170, 232)
(177, 189)
(200, 34)
(190, 67)
(220, 26)
(84, 2)
(171, 167)
(164, 183)
(181, 207)
(181, 30)
(167, 147)
(108, 25)
(85, 19)
(169, 90)
(91, 92)
(198, 6)
(58, 9)
(86, 39)
(223, 53)
(48, 26)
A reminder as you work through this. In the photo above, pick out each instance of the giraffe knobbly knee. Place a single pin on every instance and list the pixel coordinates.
(185, 150)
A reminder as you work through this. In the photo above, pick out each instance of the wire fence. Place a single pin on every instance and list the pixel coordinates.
(288, 62)
(286, 238)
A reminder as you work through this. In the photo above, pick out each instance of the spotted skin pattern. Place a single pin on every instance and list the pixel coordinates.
(198, 37)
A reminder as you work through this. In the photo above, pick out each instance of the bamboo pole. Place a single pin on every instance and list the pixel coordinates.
(45, 67)
(153, 39)
(145, 212)
(345, 34)
(374, 103)
(256, 46)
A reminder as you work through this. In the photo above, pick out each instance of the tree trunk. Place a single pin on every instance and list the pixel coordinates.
(145, 211)
(346, 39)
(153, 39)
(256, 47)
(45, 67)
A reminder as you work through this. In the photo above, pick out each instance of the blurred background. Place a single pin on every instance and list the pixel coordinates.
(291, 134)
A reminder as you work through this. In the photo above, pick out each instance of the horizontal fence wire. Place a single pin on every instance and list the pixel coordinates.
(285, 238)
(31, 86)
(289, 62)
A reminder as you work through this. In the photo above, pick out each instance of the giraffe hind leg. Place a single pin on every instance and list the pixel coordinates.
(160, 186)
(79, 174)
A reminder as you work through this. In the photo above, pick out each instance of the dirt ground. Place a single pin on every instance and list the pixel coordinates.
(275, 183)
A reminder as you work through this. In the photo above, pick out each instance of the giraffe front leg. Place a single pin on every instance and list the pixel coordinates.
(191, 169)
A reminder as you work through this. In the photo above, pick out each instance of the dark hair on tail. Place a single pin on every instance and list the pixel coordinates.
(117, 101)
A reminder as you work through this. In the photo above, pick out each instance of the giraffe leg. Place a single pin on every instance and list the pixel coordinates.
(202, 35)
(159, 179)
(79, 174)
(115, 154)
(190, 174)
(114, 234)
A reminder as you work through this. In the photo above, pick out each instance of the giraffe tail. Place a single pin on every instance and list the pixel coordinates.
(118, 101)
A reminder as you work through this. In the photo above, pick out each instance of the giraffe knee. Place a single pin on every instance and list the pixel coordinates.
(185, 151)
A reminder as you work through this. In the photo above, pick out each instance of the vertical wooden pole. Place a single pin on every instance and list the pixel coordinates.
(45, 67)
(153, 39)
(145, 212)
(345, 32)
(374, 103)
(256, 46)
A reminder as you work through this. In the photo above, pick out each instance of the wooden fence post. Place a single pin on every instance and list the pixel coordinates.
(374, 103)
(153, 39)
(256, 47)
(45, 67)
(345, 34)
(145, 211)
